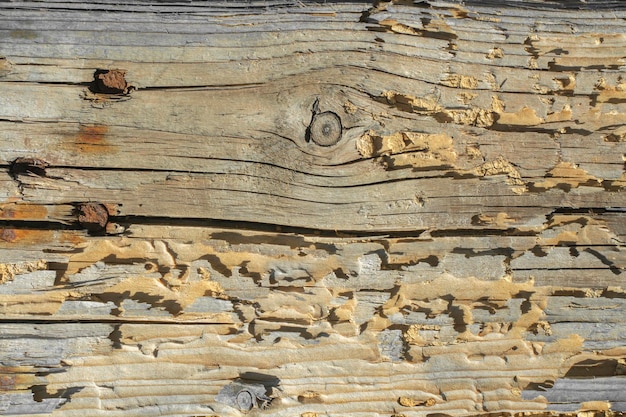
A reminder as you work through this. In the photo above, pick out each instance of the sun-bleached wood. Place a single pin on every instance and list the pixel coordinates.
(460, 249)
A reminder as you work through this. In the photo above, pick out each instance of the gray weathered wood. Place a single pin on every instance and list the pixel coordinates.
(459, 251)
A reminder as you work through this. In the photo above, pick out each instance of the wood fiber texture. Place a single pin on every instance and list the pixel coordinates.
(294, 208)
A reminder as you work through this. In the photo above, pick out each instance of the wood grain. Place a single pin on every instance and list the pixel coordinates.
(459, 251)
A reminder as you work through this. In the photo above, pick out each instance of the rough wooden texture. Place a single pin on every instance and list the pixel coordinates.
(313, 209)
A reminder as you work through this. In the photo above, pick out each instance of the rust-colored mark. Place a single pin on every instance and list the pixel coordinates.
(112, 209)
(25, 236)
(73, 237)
(8, 235)
(7, 382)
(28, 165)
(92, 139)
(92, 134)
(93, 216)
(14, 211)
(111, 81)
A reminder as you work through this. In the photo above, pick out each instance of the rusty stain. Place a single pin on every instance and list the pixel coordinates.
(26, 236)
(111, 81)
(92, 134)
(23, 212)
(112, 209)
(7, 382)
(8, 235)
(92, 139)
(93, 216)
(75, 238)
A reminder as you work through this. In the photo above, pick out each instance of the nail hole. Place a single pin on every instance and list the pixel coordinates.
(28, 165)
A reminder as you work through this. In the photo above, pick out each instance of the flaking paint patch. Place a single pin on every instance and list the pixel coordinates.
(416, 402)
(500, 220)
(36, 304)
(495, 53)
(460, 81)
(429, 106)
(610, 93)
(463, 294)
(567, 174)
(416, 149)
(8, 271)
(174, 299)
(501, 166)
(566, 84)
(525, 116)
(564, 115)
(434, 26)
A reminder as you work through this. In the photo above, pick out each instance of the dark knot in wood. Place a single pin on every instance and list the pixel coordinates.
(93, 216)
(325, 129)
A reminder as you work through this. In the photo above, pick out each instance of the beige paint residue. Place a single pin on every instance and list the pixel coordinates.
(567, 174)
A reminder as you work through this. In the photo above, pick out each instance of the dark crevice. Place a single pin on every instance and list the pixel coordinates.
(594, 368)
(220, 87)
(614, 269)
(235, 225)
(40, 393)
(37, 225)
(235, 238)
(481, 232)
(114, 321)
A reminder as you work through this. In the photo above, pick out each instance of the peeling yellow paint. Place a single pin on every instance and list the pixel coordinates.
(567, 173)
(414, 402)
(566, 84)
(466, 97)
(417, 149)
(561, 116)
(9, 271)
(500, 166)
(495, 53)
(460, 81)
(525, 116)
(499, 220)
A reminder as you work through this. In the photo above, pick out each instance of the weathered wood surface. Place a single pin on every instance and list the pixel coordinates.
(460, 250)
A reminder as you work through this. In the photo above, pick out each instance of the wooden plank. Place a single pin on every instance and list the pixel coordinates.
(265, 302)
(483, 119)
(329, 209)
